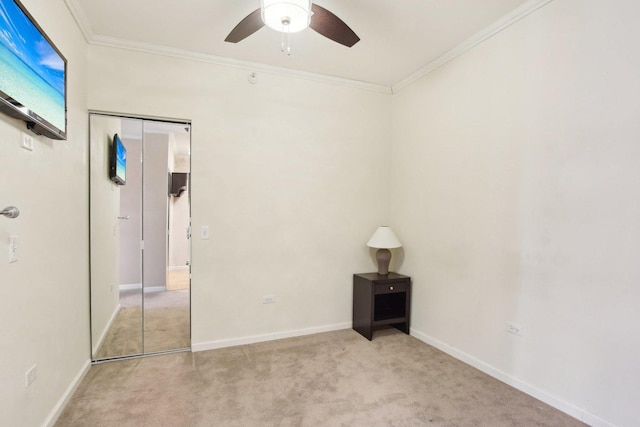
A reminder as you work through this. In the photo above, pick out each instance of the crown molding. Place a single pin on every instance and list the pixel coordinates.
(81, 19)
(234, 63)
(504, 22)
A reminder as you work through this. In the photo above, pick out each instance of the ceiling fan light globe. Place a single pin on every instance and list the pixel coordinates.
(296, 12)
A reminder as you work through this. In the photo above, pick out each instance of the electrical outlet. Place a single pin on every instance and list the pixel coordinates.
(31, 375)
(27, 141)
(514, 328)
(268, 299)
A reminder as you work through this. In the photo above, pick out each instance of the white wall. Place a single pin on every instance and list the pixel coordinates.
(104, 206)
(155, 208)
(131, 206)
(44, 297)
(291, 177)
(516, 193)
(179, 214)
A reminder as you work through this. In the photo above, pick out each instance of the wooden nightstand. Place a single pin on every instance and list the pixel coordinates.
(381, 300)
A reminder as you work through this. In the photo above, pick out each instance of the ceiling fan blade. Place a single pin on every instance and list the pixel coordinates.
(246, 27)
(332, 27)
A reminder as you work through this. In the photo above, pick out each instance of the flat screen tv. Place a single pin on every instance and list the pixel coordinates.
(178, 183)
(33, 73)
(118, 161)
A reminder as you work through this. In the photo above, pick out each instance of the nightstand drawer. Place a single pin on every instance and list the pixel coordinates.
(389, 288)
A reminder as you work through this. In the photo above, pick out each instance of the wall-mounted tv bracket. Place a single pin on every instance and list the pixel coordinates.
(10, 212)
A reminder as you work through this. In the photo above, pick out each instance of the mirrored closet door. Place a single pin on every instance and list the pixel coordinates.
(139, 231)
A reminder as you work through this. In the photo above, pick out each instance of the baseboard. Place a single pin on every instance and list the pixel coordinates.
(178, 267)
(150, 289)
(106, 329)
(66, 396)
(130, 286)
(514, 382)
(212, 345)
(147, 289)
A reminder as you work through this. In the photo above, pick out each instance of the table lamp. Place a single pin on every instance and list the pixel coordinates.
(383, 239)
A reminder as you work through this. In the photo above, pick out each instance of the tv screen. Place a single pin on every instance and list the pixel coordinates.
(178, 183)
(118, 163)
(32, 73)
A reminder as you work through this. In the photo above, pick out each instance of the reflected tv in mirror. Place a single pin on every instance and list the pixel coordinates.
(33, 73)
(118, 162)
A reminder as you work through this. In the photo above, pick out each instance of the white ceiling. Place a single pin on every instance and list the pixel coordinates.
(398, 37)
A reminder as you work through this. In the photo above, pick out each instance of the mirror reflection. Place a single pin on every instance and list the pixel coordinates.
(140, 248)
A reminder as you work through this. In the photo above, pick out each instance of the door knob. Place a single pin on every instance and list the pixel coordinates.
(10, 212)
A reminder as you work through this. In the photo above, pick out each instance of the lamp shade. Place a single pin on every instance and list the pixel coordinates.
(384, 238)
(296, 14)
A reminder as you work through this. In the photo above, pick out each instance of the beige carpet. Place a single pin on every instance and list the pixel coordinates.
(330, 379)
(124, 338)
(166, 324)
(166, 328)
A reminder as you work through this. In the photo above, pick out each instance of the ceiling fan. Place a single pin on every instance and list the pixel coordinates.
(290, 16)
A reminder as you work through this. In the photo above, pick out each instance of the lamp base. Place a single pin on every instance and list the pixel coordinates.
(383, 256)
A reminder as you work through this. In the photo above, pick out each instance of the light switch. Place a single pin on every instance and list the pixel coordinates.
(27, 141)
(13, 249)
(204, 232)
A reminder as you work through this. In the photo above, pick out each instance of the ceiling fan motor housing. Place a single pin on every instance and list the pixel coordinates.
(295, 14)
